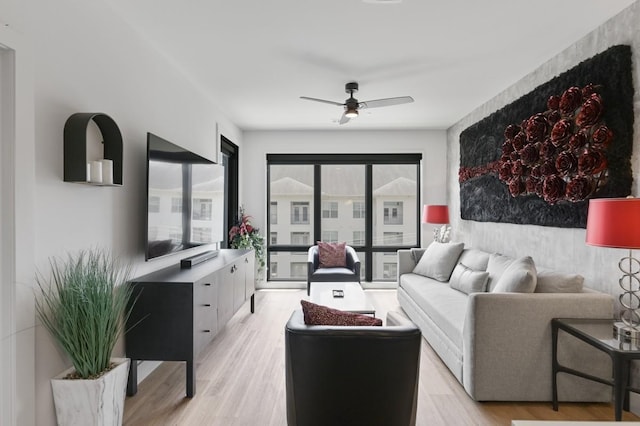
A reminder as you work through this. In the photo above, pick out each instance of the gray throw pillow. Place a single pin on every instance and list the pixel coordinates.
(496, 266)
(417, 253)
(550, 281)
(438, 260)
(467, 280)
(519, 277)
(474, 259)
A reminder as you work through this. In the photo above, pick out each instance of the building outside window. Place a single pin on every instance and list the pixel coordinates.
(329, 209)
(358, 210)
(176, 205)
(299, 213)
(154, 204)
(358, 238)
(330, 236)
(390, 270)
(274, 238)
(273, 211)
(393, 212)
(273, 269)
(300, 238)
(298, 270)
(392, 238)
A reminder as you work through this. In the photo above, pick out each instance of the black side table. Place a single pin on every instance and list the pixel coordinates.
(599, 334)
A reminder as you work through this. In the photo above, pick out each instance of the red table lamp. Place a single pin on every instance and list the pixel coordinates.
(615, 222)
(437, 214)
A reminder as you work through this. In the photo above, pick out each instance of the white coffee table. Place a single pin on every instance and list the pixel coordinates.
(354, 300)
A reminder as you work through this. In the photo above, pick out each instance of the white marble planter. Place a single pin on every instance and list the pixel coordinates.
(98, 402)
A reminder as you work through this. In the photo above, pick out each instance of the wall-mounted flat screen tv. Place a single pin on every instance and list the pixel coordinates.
(185, 199)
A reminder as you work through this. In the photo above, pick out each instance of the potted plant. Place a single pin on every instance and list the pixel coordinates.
(244, 236)
(84, 304)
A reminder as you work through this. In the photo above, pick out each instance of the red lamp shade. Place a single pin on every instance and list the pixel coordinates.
(435, 214)
(614, 222)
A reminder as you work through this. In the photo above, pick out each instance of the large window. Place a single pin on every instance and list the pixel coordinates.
(370, 202)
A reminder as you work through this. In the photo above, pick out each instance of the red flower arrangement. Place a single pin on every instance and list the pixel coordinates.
(559, 154)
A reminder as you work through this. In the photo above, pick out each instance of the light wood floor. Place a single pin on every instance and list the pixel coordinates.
(240, 380)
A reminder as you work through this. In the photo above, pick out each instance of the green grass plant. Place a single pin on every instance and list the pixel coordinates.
(84, 304)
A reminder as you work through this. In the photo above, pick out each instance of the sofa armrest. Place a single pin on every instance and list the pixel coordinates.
(507, 345)
(406, 263)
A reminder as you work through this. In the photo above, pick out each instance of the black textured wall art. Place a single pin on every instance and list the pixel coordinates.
(539, 159)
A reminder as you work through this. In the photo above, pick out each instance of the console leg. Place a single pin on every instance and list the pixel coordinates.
(253, 303)
(191, 379)
(132, 380)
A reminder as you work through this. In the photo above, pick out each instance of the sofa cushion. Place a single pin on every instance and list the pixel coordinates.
(496, 266)
(519, 277)
(438, 260)
(323, 315)
(417, 253)
(467, 280)
(474, 259)
(332, 255)
(445, 306)
(550, 281)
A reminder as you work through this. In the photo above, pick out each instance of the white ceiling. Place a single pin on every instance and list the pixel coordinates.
(255, 58)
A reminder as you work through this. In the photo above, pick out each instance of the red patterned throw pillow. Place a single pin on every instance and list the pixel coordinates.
(332, 255)
(323, 315)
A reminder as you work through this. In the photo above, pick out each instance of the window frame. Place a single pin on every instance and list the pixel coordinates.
(369, 160)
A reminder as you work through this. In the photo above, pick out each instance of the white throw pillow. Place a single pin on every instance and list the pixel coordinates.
(495, 267)
(519, 277)
(467, 280)
(438, 260)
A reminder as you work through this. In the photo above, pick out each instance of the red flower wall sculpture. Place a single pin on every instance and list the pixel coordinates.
(558, 154)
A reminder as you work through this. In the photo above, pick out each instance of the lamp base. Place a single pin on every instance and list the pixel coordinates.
(624, 333)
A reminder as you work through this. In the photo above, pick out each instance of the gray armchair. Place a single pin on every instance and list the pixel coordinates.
(351, 375)
(350, 273)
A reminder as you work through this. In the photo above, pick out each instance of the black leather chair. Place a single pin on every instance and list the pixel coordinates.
(351, 273)
(351, 375)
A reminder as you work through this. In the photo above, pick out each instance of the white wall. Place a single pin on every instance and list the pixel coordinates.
(87, 59)
(257, 144)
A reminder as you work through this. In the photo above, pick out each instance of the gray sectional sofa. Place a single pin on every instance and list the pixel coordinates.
(488, 318)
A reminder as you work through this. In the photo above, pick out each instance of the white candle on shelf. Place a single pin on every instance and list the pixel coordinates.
(107, 171)
(96, 172)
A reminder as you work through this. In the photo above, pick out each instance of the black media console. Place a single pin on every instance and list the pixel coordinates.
(178, 311)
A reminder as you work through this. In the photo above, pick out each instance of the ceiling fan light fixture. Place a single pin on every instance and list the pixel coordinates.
(351, 113)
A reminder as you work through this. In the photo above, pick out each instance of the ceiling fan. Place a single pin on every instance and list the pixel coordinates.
(352, 105)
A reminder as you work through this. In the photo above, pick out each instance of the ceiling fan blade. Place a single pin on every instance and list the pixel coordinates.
(344, 119)
(377, 103)
(321, 100)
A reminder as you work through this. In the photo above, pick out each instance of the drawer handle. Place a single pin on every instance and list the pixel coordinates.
(206, 331)
(207, 284)
(207, 304)
(233, 269)
(246, 260)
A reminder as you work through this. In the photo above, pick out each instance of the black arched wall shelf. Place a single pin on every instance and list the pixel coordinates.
(75, 145)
